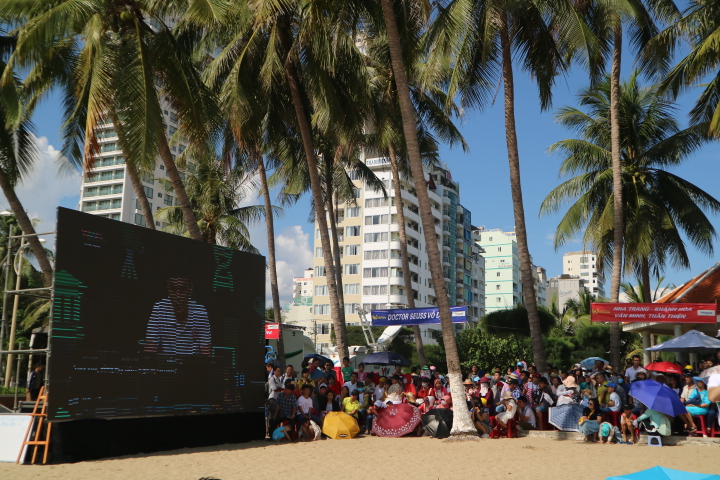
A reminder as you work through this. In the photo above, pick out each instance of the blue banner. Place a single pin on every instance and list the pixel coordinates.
(415, 316)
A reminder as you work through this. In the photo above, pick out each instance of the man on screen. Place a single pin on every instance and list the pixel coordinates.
(178, 325)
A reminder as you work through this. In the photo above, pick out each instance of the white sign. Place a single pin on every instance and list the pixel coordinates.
(13, 428)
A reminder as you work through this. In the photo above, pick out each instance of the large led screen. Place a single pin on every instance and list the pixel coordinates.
(146, 323)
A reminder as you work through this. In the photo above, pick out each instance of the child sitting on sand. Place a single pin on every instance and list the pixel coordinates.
(281, 432)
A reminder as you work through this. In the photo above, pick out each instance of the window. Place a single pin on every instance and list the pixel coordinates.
(320, 271)
(352, 249)
(376, 219)
(140, 219)
(350, 308)
(162, 167)
(357, 192)
(159, 195)
(322, 309)
(375, 272)
(375, 290)
(377, 202)
(352, 212)
(499, 249)
(497, 274)
(352, 269)
(351, 289)
(376, 237)
(321, 290)
(497, 287)
(498, 299)
(148, 191)
(375, 254)
(318, 252)
(353, 231)
(148, 179)
(168, 200)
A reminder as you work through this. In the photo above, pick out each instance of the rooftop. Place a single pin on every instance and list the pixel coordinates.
(705, 288)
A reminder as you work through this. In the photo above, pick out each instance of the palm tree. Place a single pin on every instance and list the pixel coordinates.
(215, 195)
(462, 424)
(701, 25)
(480, 38)
(18, 152)
(658, 205)
(608, 18)
(643, 293)
(120, 57)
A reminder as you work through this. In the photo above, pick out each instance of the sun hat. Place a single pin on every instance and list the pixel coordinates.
(484, 380)
(507, 395)
(570, 382)
(468, 382)
(699, 379)
(605, 429)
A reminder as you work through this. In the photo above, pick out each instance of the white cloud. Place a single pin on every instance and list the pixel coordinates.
(44, 189)
(294, 255)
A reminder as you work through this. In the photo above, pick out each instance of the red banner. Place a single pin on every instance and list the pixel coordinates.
(654, 312)
(272, 331)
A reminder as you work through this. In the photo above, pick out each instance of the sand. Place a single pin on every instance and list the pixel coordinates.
(421, 458)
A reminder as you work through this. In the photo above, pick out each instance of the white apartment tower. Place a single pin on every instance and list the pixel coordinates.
(583, 264)
(107, 190)
(370, 251)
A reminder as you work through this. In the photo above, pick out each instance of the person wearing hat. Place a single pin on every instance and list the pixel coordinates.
(484, 392)
(470, 391)
(609, 433)
(614, 403)
(509, 409)
(689, 388)
(395, 390)
(423, 391)
(567, 392)
(438, 392)
(380, 390)
(699, 403)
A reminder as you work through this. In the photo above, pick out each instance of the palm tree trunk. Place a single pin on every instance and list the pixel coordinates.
(645, 273)
(141, 196)
(179, 189)
(334, 237)
(526, 276)
(462, 423)
(618, 228)
(293, 81)
(404, 251)
(270, 222)
(27, 228)
(135, 180)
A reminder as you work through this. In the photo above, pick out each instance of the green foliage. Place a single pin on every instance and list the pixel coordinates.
(560, 352)
(477, 347)
(11, 391)
(435, 355)
(514, 321)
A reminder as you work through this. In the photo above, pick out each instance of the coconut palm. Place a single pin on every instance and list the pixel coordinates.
(658, 205)
(18, 151)
(480, 38)
(607, 19)
(120, 57)
(700, 24)
(216, 194)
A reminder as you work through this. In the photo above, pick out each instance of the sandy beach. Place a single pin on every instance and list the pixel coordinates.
(422, 458)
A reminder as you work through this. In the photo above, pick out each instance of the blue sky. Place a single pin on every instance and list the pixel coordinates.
(482, 173)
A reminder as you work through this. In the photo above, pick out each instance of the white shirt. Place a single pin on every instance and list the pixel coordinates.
(351, 386)
(275, 383)
(304, 404)
(528, 412)
(630, 372)
(614, 397)
(168, 336)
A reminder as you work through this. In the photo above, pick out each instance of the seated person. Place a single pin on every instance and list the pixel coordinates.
(655, 422)
(628, 424)
(445, 402)
(353, 383)
(351, 405)
(614, 403)
(305, 379)
(481, 419)
(543, 396)
(306, 406)
(589, 423)
(526, 414)
(282, 432)
(509, 409)
(396, 390)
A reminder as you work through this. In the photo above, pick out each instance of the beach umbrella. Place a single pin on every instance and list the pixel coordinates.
(662, 473)
(317, 356)
(665, 367)
(589, 363)
(692, 341)
(438, 422)
(565, 417)
(710, 371)
(385, 358)
(339, 425)
(658, 396)
(396, 420)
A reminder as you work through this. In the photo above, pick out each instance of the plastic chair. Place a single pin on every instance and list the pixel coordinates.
(654, 441)
(613, 418)
(702, 429)
(510, 432)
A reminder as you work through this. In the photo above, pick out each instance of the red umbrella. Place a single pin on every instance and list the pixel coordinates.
(396, 420)
(665, 367)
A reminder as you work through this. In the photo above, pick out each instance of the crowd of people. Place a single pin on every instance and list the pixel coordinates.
(498, 399)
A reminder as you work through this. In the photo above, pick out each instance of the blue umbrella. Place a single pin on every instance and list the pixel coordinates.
(565, 417)
(662, 473)
(589, 363)
(317, 356)
(657, 396)
(385, 358)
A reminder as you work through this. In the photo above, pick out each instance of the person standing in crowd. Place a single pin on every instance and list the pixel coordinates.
(361, 373)
(632, 370)
(290, 374)
(352, 384)
(530, 388)
(346, 369)
(329, 371)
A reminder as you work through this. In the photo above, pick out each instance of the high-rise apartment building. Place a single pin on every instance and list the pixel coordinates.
(107, 190)
(503, 282)
(583, 264)
(370, 251)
